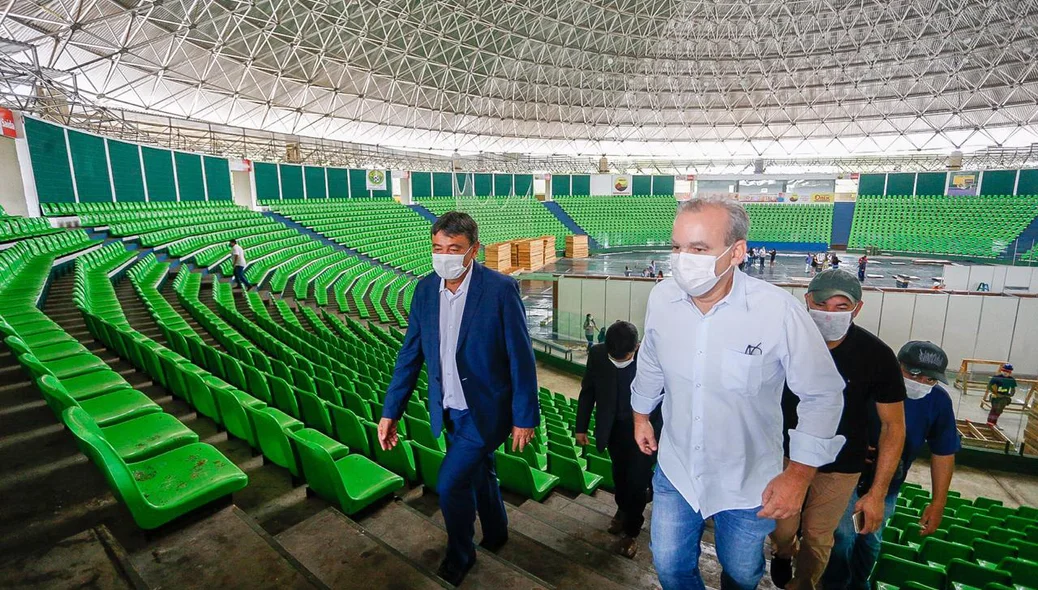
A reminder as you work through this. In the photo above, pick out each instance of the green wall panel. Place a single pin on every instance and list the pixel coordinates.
(442, 184)
(931, 183)
(523, 184)
(560, 185)
(91, 167)
(995, 182)
(871, 184)
(484, 185)
(1028, 183)
(313, 176)
(502, 185)
(217, 178)
(189, 176)
(338, 183)
(291, 181)
(126, 171)
(581, 184)
(421, 185)
(49, 157)
(663, 185)
(158, 173)
(266, 181)
(358, 184)
(641, 185)
(900, 184)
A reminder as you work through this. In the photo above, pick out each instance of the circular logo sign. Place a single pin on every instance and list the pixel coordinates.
(376, 176)
(621, 184)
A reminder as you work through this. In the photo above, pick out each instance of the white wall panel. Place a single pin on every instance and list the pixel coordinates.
(980, 274)
(868, 317)
(960, 328)
(895, 324)
(1034, 282)
(592, 301)
(1018, 277)
(995, 333)
(928, 317)
(956, 277)
(998, 279)
(568, 314)
(639, 298)
(618, 302)
(1024, 350)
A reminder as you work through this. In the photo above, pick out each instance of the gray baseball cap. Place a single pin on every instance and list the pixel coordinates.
(832, 282)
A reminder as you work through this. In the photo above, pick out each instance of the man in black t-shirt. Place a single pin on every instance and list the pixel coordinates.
(872, 375)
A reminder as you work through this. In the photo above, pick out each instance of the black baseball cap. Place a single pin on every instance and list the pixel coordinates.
(920, 357)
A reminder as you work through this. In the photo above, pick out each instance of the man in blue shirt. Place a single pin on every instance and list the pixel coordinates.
(930, 420)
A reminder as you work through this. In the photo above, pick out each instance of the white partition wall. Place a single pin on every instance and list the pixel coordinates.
(980, 274)
(956, 278)
(993, 326)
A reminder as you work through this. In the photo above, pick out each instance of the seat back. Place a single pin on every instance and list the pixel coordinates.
(399, 459)
(55, 394)
(960, 571)
(896, 571)
(318, 465)
(429, 462)
(17, 345)
(942, 552)
(94, 445)
(315, 411)
(514, 473)
(272, 439)
(349, 431)
(200, 396)
(284, 396)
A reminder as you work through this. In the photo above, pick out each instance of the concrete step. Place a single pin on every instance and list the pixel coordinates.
(423, 542)
(341, 553)
(90, 559)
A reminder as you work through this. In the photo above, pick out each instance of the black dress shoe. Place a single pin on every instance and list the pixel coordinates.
(492, 545)
(452, 573)
(781, 571)
(616, 525)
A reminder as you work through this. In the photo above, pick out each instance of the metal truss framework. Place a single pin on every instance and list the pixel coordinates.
(541, 84)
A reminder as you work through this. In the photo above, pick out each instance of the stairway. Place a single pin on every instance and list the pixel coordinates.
(569, 222)
(421, 210)
(1023, 242)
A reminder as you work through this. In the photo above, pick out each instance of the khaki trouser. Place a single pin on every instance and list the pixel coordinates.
(826, 502)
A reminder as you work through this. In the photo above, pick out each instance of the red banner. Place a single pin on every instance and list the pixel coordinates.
(7, 123)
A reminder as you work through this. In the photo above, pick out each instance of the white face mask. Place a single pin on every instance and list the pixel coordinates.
(621, 364)
(694, 273)
(916, 390)
(832, 324)
(449, 266)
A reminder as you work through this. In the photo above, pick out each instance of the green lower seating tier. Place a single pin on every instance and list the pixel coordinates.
(619, 221)
(981, 227)
(503, 219)
(801, 223)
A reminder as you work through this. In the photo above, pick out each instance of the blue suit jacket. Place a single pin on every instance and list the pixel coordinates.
(495, 358)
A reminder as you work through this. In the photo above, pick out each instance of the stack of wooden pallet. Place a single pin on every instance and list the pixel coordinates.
(549, 249)
(576, 246)
(498, 257)
(528, 254)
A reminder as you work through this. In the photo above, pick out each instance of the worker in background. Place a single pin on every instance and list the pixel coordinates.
(929, 420)
(238, 261)
(873, 376)
(606, 390)
(773, 253)
(1001, 390)
(590, 329)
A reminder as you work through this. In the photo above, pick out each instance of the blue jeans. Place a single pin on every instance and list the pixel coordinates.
(467, 485)
(677, 530)
(239, 275)
(853, 555)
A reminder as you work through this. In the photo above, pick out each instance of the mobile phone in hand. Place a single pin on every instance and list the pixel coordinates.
(859, 521)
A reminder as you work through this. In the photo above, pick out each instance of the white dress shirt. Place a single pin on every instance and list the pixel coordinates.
(720, 377)
(452, 306)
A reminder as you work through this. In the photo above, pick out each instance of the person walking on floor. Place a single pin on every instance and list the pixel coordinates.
(238, 261)
(809, 263)
(929, 420)
(606, 390)
(873, 376)
(863, 264)
(601, 335)
(761, 254)
(772, 254)
(1001, 390)
(718, 347)
(468, 327)
(590, 329)
(627, 271)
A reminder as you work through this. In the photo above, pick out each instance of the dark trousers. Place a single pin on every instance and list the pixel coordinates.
(239, 275)
(632, 475)
(468, 485)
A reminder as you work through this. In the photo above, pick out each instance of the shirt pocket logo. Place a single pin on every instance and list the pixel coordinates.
(741, 373)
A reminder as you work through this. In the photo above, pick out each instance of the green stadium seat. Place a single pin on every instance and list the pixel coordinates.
(353, 481)
(516, 475)
(963, 575)
(891, 571)
(105, 410)
(429, 462)
(272, 427)
(571, 475)
(939, 553)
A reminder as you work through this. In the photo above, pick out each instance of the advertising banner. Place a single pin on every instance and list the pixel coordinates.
(964, 184)
(375, 180)
(622, 184)
(823, 198)
(7, 123)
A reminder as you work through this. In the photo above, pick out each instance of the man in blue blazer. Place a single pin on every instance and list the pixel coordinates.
(468, 326)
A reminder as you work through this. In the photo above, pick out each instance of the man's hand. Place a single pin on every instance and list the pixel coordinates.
(521, 437)
(873, 506)
(387, 437)
(581, 438)
(931, 519)
(644, 435)
(784, 495)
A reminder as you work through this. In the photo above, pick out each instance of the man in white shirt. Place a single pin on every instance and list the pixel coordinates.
(238, 261)
(718, 347)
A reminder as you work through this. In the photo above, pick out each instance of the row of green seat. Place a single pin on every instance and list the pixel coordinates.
(15, 228)
(779, 222)
(383, 229)
(619, 221)
(502, 219)
(68, 209)
(981, 226)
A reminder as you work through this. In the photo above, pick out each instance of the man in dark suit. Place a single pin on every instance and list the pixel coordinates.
(607, 383)
(468, 326)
